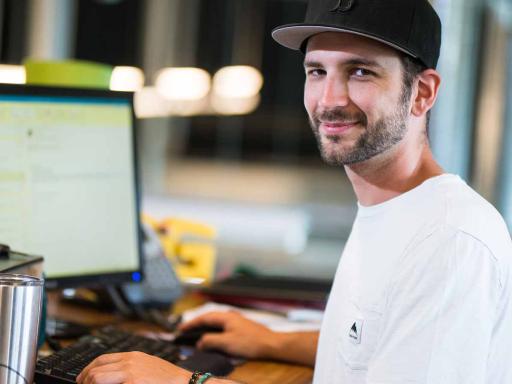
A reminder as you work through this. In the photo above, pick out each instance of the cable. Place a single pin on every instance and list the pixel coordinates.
(53, 343)
(15, 371)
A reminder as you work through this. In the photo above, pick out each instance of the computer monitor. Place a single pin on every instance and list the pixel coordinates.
(68, 182)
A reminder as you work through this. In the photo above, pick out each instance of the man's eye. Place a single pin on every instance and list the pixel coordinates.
(315, 72)
(362, 72)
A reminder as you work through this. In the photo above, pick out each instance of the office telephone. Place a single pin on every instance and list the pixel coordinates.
(160, 286)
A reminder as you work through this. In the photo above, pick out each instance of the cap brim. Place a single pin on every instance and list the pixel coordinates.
(293, 35)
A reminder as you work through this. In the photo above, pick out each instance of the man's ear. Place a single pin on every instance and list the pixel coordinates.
(428, 83)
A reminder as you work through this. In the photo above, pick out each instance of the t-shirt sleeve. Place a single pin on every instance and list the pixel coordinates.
(439, 314)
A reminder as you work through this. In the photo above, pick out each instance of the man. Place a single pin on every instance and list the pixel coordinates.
(423, 289)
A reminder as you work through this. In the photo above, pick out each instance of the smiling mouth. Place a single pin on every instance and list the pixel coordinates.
(337, 127)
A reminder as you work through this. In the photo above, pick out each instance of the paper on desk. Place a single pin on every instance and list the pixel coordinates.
(295, 321)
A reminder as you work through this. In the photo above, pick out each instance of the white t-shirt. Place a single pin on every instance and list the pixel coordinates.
(422, 293)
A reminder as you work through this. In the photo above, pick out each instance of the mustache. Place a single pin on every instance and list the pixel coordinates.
(339, 115)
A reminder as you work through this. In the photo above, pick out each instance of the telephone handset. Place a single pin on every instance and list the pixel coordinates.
(160, 286)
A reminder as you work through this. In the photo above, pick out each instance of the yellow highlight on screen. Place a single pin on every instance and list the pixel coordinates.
(12, 176)
(53, 112)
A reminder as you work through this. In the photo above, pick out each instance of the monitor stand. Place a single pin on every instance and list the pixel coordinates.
(102, 299)
(57, 328)
(107, 298)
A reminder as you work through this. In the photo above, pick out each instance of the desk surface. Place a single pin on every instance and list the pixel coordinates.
(260, 372)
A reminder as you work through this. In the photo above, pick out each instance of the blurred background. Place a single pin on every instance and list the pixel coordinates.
(223, 137)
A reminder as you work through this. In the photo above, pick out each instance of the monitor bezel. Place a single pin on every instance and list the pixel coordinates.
(96, 279)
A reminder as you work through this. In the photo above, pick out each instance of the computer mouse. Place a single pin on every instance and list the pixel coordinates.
(191, 336)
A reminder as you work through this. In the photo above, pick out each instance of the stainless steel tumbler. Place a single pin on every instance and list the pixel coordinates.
(20, 309)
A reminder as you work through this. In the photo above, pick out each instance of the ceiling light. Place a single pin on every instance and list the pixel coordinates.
(183, 84)
(149, 103)
(238, 81)
(12, 74)
(127, 79)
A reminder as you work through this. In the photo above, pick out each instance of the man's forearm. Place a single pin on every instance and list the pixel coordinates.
(215, 380)
(296, 347)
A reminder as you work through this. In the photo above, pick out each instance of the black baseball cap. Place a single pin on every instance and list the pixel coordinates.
(410, 26)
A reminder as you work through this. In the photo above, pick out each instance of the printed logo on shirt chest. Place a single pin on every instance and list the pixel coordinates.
(355, 331)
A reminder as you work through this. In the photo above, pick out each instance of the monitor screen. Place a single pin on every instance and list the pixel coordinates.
(68, 187)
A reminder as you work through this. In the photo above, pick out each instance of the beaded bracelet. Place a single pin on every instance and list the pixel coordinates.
(199, 377)
(195, 376)
(203, 378)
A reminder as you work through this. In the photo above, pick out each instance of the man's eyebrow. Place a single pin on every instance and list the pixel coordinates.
(351, 62)
(365, 62)
(312, 64)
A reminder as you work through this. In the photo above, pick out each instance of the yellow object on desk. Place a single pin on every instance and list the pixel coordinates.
(196, 261)
(189, 245)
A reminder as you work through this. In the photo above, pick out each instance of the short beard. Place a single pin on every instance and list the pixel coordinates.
(377, 138)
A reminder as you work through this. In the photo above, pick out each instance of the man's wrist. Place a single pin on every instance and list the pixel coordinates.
(275, 347)
(200, 377)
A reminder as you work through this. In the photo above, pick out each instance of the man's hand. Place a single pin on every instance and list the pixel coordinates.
(132, 367)
(240, 337)
(136, 368)
(246, 338)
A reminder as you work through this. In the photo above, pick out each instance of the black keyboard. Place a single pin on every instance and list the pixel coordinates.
(64, 366)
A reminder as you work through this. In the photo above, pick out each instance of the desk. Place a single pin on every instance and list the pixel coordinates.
(257, 372)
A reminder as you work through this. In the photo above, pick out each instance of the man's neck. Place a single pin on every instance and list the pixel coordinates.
(389, 175)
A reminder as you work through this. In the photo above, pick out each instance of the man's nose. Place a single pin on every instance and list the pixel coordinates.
(335, 93)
